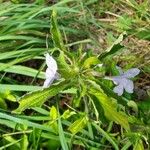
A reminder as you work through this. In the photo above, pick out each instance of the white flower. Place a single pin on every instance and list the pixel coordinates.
(51, 72)
(123, 81)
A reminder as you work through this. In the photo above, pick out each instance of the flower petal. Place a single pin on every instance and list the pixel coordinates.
(51, 63)
(48, 82)
(50, 73)
(50, 77)
(128, 86)
(131, 73)
(118, 89)
(117, 79)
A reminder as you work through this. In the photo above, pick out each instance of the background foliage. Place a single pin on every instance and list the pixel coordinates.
(80, 110)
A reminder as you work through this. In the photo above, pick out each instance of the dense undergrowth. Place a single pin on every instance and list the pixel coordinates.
(80, 110)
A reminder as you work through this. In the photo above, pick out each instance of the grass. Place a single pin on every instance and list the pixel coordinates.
(80, 110)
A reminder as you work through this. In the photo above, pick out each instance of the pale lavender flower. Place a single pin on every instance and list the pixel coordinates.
(51, 72)
(123, 80)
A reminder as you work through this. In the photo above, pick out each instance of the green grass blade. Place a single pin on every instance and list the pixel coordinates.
(61, 133)
(18, 69)
(10, 87)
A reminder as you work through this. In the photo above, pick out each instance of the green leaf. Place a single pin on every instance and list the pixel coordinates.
(18, 60)
(82, 92)
(70, 91)
(90, 61)
(10, 87)
(3, 103)
(37, 98)
(9, 96)
(67, 114)
(56, 35)
(133, 105)
(78, 125)
(24, 142)
(18, 69)
(138, 145)
(106, 135)
(53, 118)
(62, 137)
(110, 109)
(115, 47)
(9, 121)
(144, 105)
(10, 144)
(53, 113)
(53, 144)
(41, 110)
(67, 71)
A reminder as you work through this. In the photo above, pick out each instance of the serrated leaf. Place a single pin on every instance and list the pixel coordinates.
(64, 68)
(56, 35)
(78, 125)
(110, 111)
(82, 93)
(70, 91)
(115, 47)
(53, 117)
(67, 114)
(37, 98)
(91, 61)
(53, 113)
